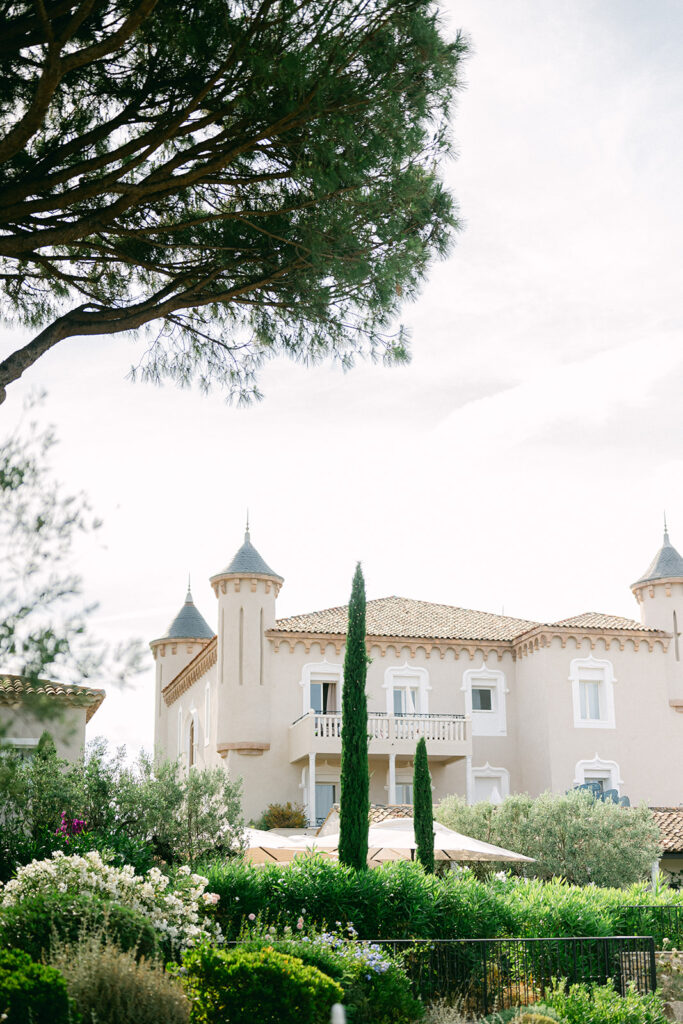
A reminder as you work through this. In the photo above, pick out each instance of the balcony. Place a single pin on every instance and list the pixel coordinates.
(448, 737)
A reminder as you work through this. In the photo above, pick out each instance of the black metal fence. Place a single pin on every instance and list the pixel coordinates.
(495, 974)
(662, 922)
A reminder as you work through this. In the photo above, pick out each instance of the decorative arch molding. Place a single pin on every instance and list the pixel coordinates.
(319, 672)
(593, 670)
(491, 722)
(403, 676)
(587, 769)
(488, 771)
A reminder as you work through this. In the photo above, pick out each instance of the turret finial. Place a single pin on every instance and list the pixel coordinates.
(188, 599)
(666, 532)
(246, 533)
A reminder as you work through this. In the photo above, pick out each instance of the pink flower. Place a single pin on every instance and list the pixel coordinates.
(300, 923)
(252, 917)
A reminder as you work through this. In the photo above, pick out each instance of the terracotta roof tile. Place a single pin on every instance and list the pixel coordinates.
(13, 689)
(403, 617)
(596, 620)
(670, 821)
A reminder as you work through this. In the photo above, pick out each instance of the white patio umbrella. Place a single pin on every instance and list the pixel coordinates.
(270, 848)
(395, 840)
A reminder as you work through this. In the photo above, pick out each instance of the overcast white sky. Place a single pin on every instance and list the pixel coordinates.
(521, 461)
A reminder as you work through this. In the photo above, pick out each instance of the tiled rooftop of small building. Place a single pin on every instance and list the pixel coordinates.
(670, 821)
(14, 689)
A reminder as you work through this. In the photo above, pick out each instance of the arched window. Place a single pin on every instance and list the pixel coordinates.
(191, 745)
(485, 691)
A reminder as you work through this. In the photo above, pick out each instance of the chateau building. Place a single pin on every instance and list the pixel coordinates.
(505, 704)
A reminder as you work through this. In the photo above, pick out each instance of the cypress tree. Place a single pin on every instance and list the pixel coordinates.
(355, 775)
(423, 815)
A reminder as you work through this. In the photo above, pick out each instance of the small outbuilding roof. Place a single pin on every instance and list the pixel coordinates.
(667, 564)
(15, 690)
(670, 821)
(247, 561)
(189, 623)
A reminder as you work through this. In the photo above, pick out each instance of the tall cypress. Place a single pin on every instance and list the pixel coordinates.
(423, 812)
(354, 806)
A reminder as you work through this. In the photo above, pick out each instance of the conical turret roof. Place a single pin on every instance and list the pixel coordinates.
(247, 562)
(667, 564)
(189, 623)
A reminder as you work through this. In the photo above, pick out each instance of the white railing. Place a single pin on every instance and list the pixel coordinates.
(434, 728)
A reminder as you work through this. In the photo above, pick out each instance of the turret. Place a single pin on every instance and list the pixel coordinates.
(187, 635)
(246, 590)
(659, 591)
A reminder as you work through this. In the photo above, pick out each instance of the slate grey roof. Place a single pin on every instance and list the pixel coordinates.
(666, 564)
(189, 623)
(247, 560)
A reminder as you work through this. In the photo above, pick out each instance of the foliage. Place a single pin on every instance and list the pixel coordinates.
(111, 986)
(396, 900)
(43, 620)
(422, 807)
(36, 922)
(178, 915)
(400, 901)
(354, 802)
(570, 835)
(257, 179)
(141, 814)
(287, 815)
(601, 1004)
(243, 986)
(376, 988)
(31, 992)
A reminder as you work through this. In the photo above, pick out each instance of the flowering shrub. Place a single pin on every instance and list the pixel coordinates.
(177, 915)
(376, 988)
(70, 827)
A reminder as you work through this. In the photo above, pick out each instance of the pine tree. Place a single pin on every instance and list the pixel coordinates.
(355, 777)
(422, 807)
(253, 179)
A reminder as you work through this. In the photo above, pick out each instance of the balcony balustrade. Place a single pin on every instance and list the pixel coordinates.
(448, 737)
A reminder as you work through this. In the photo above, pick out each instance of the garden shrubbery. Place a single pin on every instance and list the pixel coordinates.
(108, 985)
(376, 989)
(243, 986)
(400, 901)
(31, 992)
(570, 835)
(140, 815)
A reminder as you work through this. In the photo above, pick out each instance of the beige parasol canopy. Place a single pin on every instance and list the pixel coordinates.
(270, 848)
(395, 840)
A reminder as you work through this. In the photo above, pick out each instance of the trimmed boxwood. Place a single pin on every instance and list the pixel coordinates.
(30, 991)
(244, 986)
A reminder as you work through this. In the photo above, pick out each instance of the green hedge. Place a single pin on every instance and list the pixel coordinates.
(400, 901)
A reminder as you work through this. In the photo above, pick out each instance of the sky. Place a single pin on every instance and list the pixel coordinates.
(520, 463)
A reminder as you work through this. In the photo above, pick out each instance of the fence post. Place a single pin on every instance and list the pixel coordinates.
(653, 966)
(338, 1014)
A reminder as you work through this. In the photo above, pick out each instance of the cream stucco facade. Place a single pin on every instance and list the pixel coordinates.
(506, 705)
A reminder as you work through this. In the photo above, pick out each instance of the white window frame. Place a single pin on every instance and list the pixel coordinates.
(486, 723)
(595, 765)
(320, 672)
(593, 670)
(415, 678)
(207, 713)
(487, 771)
